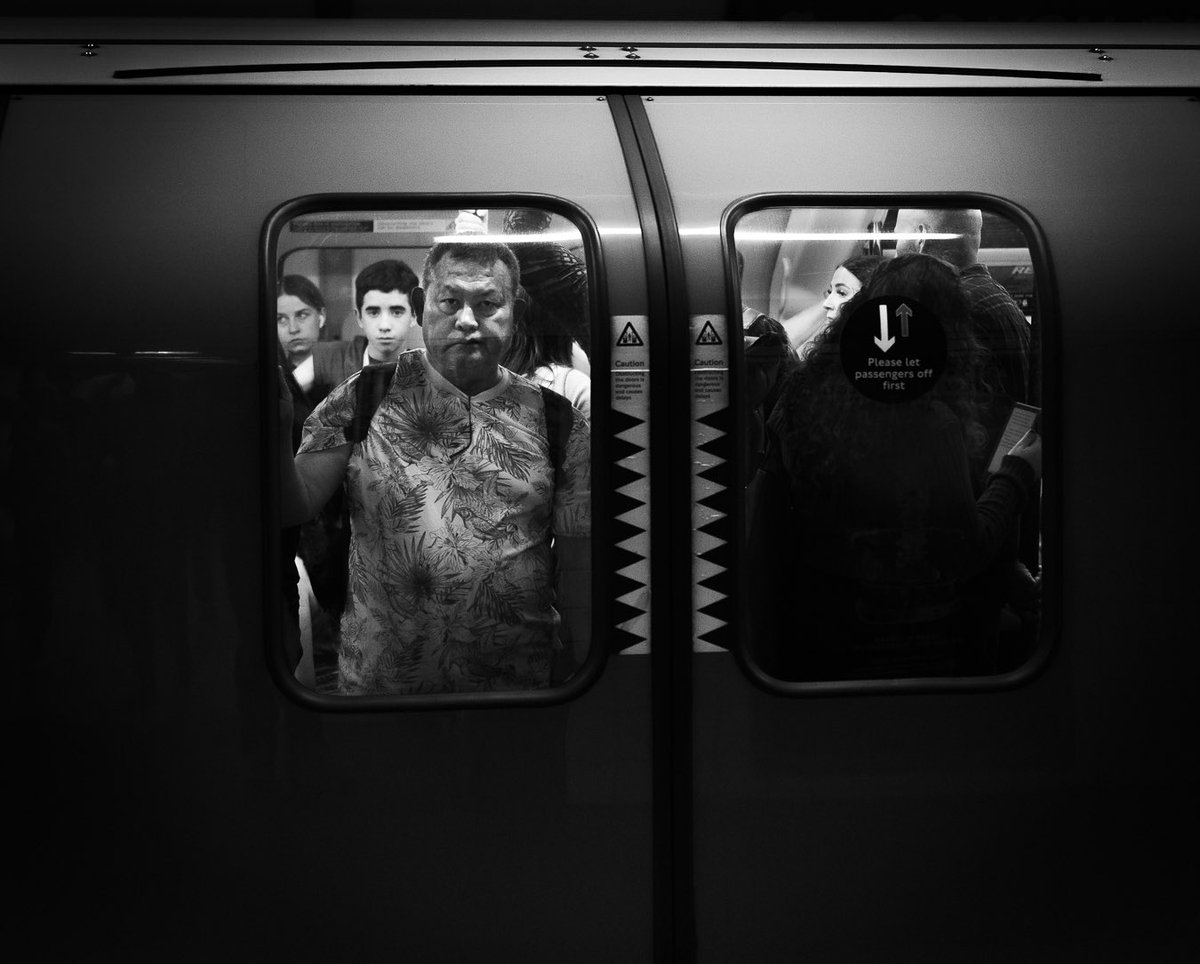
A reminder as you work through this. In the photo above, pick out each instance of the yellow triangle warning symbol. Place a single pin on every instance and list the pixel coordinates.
(629, 337)
(708, 335)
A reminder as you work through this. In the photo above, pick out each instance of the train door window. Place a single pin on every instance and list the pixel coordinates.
(891, 394)
(435, 448)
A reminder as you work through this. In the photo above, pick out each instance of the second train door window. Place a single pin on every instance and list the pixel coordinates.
(892, 456)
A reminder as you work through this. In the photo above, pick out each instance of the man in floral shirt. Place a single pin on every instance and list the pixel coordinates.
(469, 550)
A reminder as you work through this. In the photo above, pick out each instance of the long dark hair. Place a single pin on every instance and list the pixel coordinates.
(822, 421)
(537, 340)
(862, 266)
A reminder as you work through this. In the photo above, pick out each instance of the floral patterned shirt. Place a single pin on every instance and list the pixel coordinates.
(453, 504)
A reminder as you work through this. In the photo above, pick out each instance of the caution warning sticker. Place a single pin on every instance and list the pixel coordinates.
(630, 473)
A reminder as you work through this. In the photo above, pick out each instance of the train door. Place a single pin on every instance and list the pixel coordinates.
(896, 806)
(195, 792)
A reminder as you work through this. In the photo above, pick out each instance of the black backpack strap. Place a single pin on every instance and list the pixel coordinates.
(558, 427)
(369, 389)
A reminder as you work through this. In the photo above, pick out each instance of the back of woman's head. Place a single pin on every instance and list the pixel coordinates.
(928, 280)
(935, 285)
(536, 341)
(826, 411)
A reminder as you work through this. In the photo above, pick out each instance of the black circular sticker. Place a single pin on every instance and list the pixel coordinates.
(893, 349)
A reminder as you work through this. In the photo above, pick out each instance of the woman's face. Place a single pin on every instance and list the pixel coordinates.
(299, 326)
(842, 287)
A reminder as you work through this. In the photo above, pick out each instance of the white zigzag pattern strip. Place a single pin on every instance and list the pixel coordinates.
(638, 598)
(638, 435)
(639, 570)
(636, 489)
(702, 600)
(639, 515)
(635, 569)
(638, 542)
(637, 624)
(637, 463)
(639, 491)
(705, 569)
(703, 488)
(703, 542)
(703, 436)
(705, 624)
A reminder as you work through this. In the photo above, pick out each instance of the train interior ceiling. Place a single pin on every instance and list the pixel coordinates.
(330, 249)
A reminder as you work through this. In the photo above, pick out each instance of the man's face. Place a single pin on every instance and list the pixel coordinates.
(470, 313)
(299, 326)
(385, 317)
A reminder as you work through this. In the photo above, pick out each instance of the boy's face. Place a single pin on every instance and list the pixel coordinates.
(385, 318)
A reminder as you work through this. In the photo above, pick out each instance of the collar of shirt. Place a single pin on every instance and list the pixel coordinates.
(443, 385)
(304, 373)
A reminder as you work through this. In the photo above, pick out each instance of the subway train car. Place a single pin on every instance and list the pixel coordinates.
(211, 760)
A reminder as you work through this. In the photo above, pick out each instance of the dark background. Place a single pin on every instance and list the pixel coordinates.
(997, 11)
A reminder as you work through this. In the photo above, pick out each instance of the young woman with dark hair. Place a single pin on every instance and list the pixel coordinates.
(892, 539)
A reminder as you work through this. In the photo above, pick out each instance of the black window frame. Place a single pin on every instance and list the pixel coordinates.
(593, 666)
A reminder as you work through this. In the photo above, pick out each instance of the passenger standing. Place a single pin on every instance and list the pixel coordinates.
(546, 359)
(997, 322)
(299, 319)
(1005, 337)
(555, 278)
(383, 313)
(768, 359)
(469, 557)
(886, 546)
(383, 310)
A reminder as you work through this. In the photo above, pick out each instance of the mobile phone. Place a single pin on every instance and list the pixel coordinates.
(1021, 419)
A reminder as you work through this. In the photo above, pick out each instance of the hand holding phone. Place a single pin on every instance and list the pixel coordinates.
(1029, 448)
(1022, 419)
